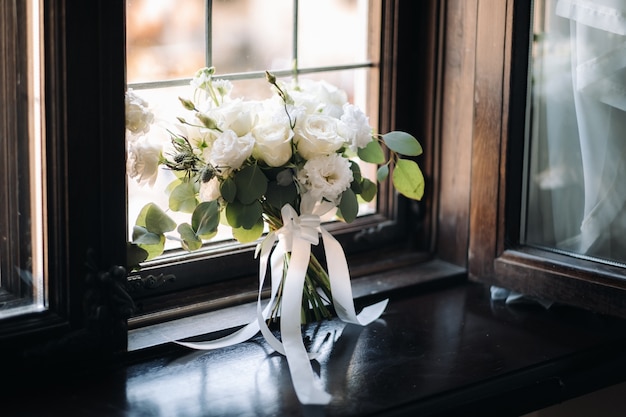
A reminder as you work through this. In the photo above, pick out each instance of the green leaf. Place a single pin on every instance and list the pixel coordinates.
(243, 215)
(357, 178)
(373, 153)
(368, 190)
(190, 241)
(183, 198)
(279, 195)
(134, 256)
(154, 250)
(382, 173)
(228, 190)
(141, 235)
(205, 219)
(249, 235)
(251, 184)
(154, 219)
(349, 206)
(402, 143)
(408, 179)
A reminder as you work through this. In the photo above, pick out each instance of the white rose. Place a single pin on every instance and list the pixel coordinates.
(354, 127)
(143, 160)
(272, 143)
(317, 135)
(319, 97)
(229, 151)
(210, 190)
(326, 177)
(237, 115)
(138, 115)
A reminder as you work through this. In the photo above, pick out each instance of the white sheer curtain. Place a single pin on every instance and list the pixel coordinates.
(578, 162)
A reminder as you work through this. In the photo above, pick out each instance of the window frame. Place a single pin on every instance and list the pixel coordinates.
(500, 32)
(84, 108)
(161, 293)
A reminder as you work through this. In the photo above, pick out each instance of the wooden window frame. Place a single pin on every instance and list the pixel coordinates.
(491, 111)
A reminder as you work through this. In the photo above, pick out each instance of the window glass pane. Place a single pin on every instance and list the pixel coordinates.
(166, 39)
(22, 284)
(252, 35)
(339, 39)
(577, 129)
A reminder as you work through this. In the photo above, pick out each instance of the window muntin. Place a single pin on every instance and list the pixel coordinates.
(22, 210)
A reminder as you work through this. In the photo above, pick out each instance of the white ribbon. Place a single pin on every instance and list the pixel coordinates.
(296, 237)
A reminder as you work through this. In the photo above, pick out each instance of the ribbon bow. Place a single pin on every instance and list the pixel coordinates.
(296, 236)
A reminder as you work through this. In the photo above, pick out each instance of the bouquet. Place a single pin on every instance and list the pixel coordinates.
(269, 166)
(245, 160)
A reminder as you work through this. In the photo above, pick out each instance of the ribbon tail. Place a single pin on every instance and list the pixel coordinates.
(300, 369)
(252, 328)
(341, 288)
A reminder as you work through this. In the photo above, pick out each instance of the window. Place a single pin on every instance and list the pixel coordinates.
(502, 249)
(241, 41)
(82, 82)
(22, 228)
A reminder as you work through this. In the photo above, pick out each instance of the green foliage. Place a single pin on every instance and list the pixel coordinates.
(134, 255)
(279, 195)
(373, 153)
(205, 219)
(408, 179)
(243, 215)
(244, 235)
(190, 240)
(368, 190)
(183, 197)
(251, 184)
(149, 231)
(402, 143)
(348, 206)
(228, 189)
(382, 173)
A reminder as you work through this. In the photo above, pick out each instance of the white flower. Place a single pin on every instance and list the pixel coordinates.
(237, 115)
(354, 127)
(326, 177)
(143, 160)
(319, 97)
(273, 143)
(229, 151)
(317, 135)
(138, 115)
(210, 190)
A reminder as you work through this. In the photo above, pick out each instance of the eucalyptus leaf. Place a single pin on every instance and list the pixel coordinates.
(243, 215)
(134, 255)
(373, 153)
(141, 235)
(183, 198)
(279, 195)
(349, 206)
(408, 179)
(155, 220)
(251, 184)
(402, 143)
(368, 190)
(357, 178)
(228, 190)
(382, 173)
(154, 250)
(205, 219)
(190, 241)
(249, 235)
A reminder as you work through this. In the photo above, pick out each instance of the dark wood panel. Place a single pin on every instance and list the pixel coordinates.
(438, 351)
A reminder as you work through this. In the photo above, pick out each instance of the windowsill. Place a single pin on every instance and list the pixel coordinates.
(437, 350)
(216, 320)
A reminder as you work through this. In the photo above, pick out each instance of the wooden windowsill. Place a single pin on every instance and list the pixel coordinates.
(438, 350)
